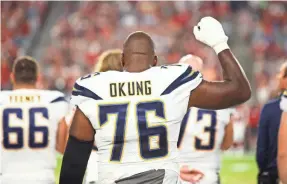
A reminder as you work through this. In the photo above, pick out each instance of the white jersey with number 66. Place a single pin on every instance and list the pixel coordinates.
(28, 126)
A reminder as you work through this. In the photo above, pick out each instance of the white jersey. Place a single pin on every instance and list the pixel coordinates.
(29, 121)
(283, 102)
(136, 116)
(92, 172)
(69, 116)
(200, 138)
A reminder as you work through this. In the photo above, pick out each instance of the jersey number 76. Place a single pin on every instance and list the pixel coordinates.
(144, 129)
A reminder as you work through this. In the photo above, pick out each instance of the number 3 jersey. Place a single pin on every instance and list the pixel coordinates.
(29, 121)
(136, 116)
(201, 135)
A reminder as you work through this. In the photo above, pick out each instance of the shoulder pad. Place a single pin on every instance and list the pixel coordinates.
(57, 96)
(185, 76)
(81, 92)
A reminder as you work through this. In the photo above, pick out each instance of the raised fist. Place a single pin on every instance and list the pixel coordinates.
(210, 32)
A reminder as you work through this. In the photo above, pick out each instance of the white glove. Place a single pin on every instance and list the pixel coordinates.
(210, 32)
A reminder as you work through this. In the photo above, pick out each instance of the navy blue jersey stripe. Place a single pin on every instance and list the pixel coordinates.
(59, 99)
(182, 127)
(82, 91)
(187, 76)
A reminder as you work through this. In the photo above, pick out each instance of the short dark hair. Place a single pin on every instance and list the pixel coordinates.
(25, 70)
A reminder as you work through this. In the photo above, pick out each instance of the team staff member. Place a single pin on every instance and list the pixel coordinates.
(266, 154)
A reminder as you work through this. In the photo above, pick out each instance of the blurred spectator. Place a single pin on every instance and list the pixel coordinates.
(86, 29)
(241, 118)
(19, 21)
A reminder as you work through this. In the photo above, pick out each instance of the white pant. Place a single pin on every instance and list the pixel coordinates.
(210, 177)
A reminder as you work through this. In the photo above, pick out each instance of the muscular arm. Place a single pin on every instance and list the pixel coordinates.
(228, 136)
(78, 149)
(282, 149)
(233, 90)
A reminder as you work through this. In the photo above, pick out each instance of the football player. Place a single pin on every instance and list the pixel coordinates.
(282, 139)
(203, 134)
(29, 123)
(135, 115)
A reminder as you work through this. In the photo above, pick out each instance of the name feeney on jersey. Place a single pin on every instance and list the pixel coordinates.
(29, 121)
(136, 116)
(200, 137)
(283, 102)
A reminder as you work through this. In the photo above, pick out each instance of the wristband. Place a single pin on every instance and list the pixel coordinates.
(220, 47)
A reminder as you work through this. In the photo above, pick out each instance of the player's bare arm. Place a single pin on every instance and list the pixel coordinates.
(282, 149)
(62, 134)
(78, 150)
(228, 136)
(235, 88)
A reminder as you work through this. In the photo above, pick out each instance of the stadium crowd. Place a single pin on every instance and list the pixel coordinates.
(19, 23)
(86, 29)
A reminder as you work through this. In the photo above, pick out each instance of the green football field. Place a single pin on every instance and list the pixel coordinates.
(235, 170)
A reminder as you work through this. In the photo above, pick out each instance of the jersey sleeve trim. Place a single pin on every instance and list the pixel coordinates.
(187, 76)
(82, 91)
(59, 99)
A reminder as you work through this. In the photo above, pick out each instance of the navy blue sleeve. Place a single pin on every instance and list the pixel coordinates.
(262, 140)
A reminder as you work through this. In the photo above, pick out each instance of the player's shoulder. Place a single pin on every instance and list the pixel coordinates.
(176, 76)
(174, 69)
(85, 87)
(5, 92)
(4, 95)
(225, 114)
(91, 79)
(53, 96)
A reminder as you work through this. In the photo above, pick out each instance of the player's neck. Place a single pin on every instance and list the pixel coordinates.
(24, 86)
(134, 68)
